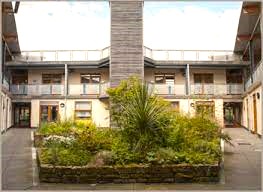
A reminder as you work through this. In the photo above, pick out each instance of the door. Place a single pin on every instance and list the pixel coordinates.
(255, 113)
(203, 84)
(247, 114)
(232, 114)
(48, 113)
(22, 115)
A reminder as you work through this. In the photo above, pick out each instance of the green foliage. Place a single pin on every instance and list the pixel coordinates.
(122, 153)
(140, 115)
(94, 139)
(56, 128)
(64, 156)
(148, 132)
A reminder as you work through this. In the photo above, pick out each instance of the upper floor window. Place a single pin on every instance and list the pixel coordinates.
(234, 76)
(164, 78)
(19, 77)
(203, 78)
(51, 78)
(90, 78)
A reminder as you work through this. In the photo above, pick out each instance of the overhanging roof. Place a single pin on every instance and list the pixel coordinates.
(9, 29)
(249, 15)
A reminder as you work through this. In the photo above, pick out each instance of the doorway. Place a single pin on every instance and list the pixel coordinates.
(232, 114)
(22, 114)
(255, 113)
(48, 113)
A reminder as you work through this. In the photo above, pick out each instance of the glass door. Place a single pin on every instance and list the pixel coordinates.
(48, 113)
(22, 115)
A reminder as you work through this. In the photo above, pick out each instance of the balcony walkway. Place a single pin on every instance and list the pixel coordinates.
(242, 167)
(100, 58)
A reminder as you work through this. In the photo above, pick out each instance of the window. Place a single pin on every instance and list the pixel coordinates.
(19, 77)
(203, 84)
(205, 108)
(234, 76)
(90, 78)
(203, 78)
(83, 110)
(175, 105)
(164, 78)
(51, 78)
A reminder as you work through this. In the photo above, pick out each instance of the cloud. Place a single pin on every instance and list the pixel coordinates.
(63, 25)
(191, 27)
(86, 25)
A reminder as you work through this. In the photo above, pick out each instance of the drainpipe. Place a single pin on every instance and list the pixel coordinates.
(251, 58)
(188, 86)
(65, 91)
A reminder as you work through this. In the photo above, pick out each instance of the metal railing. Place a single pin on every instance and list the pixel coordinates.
(64, 55)
(197, 89)
(217, 89)
(36, 90)
(155, 54)
(88, 89)
(191, 55)
(58, 89)
(167, 89)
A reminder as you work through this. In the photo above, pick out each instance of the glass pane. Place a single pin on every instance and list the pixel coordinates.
(169, 79)
(197, 78)
(83, 106)
(208, 78)
(44, 113)
(51, 78)
(175, 105)
(85, 79)
(159, 79)
(83, 114)
(54, 113)
(95, 79)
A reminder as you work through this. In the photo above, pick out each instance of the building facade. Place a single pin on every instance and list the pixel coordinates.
(44, 86)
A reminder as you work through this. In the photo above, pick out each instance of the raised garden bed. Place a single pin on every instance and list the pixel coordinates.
(181, 173)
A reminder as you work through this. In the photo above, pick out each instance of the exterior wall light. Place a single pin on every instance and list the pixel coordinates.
(258, 95)
(62, 105)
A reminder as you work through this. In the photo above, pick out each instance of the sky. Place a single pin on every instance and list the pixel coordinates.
(74, 25)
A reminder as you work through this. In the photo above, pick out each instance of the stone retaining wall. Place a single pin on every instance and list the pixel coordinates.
(129, 174)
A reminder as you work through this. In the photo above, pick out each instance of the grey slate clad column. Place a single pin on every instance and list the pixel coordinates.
(126, 58)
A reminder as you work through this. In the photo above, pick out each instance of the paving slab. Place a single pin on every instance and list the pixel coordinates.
(242, 167)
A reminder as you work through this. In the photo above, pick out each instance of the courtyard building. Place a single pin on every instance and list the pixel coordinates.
(48, 85)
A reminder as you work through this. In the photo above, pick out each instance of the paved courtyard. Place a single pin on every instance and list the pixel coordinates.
(242, 166)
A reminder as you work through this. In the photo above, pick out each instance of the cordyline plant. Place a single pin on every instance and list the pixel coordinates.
(141, 115)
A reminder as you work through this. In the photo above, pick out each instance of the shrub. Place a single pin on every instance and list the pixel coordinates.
(56, 128)
(140, 115)
(122, 153)
(65, 157)
(101, 158)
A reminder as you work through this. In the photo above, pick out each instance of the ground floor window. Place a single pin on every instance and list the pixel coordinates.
(83, 110)
(205, 108)
(175, 105)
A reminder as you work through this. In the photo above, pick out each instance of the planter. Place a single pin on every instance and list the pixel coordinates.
(180, 173)
(38, 139)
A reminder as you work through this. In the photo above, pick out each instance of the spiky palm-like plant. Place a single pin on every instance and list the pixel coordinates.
(141, 118)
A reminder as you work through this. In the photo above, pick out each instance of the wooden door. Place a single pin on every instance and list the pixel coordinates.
(255, 113)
